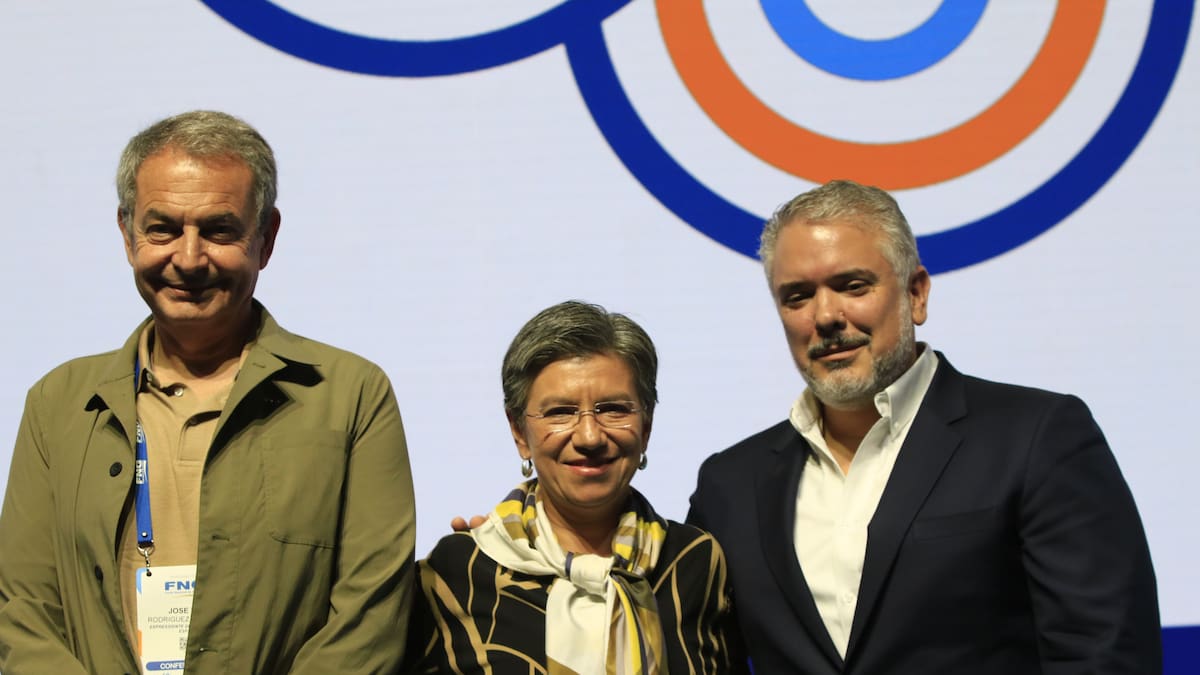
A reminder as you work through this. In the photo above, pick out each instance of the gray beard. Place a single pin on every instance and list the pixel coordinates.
(843, 392)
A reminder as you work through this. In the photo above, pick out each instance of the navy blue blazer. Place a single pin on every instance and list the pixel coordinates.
(1006, 541)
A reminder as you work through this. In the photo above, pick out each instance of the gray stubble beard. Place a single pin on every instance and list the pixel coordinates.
(885, 370)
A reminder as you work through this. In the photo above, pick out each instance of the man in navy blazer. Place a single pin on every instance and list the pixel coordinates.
(907, 518)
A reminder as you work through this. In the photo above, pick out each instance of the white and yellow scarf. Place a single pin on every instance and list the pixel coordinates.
(601, 616)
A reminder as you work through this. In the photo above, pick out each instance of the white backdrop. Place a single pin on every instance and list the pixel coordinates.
(425, 218)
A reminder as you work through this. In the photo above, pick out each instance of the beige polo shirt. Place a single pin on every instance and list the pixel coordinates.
(179, 428)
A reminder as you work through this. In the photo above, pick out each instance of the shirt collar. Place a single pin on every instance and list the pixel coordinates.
(145, 346)
(900, 401)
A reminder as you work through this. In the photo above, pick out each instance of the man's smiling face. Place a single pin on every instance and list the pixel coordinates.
(194, 243)
(848, 318)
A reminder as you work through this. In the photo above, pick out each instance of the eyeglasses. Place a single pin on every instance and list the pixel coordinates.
(608, 414)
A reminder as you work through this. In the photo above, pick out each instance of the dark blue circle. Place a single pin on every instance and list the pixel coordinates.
(326, 46)
(951, 249)
(873, 60)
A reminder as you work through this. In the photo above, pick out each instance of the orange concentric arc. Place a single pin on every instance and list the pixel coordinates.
(909, 164)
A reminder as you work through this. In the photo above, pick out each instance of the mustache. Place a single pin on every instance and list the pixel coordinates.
(836, 343)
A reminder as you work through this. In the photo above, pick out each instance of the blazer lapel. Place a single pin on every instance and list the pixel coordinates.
(930, 444)
(777, 485)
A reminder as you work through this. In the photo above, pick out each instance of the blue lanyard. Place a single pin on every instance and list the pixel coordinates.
(141, 480)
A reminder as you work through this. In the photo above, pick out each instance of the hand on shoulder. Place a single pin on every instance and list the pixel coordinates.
(459, 524)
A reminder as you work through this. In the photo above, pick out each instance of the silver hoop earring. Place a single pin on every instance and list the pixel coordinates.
(642, 464)
(527, 467)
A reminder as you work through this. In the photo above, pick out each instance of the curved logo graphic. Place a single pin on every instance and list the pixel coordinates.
(779, 142)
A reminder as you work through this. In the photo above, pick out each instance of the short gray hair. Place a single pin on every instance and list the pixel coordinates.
(568, 330)
(868, 206)
(203, 134)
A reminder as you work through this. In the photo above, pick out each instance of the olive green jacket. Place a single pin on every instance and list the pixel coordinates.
(305, 559)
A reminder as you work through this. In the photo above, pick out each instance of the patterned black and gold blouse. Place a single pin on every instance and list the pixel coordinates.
(472, 611)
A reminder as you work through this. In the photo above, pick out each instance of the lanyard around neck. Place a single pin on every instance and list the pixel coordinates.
(141, 480)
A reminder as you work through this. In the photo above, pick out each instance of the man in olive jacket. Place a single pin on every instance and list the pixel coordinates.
(280, 526)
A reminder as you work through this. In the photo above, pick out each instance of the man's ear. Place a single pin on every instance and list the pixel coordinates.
(270, 230)
(918, 294)
(126, 232)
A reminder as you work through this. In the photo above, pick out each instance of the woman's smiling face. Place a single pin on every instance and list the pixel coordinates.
(583, 470)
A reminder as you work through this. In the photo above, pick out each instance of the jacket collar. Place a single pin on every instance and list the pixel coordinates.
(115, 389)
(274, 350)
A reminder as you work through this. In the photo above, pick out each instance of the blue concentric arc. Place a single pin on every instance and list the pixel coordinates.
(872, 60)
(1089, 170)
(945, 251)
(330, 47)
(645, 158)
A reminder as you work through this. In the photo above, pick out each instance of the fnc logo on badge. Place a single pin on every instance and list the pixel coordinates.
(930, 55)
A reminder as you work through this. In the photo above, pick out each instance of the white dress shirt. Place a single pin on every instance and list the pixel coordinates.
(833, 509)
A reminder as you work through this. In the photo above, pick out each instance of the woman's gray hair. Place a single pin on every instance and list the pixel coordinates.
(568, 330)
(865, 205)
(203, 134)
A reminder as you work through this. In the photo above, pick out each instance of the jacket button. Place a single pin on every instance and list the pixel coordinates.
(99, 573)
(115, 469)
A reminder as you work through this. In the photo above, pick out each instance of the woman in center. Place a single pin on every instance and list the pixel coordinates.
(574, 572)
